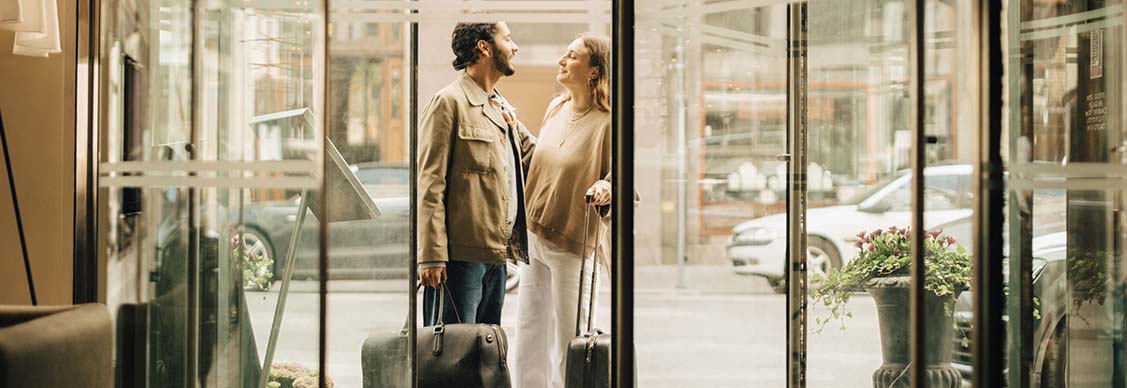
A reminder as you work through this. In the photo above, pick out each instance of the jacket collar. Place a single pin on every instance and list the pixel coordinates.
(474, 93)
(477, 96)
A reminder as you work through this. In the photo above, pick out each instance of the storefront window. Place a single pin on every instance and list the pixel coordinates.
(240, 148)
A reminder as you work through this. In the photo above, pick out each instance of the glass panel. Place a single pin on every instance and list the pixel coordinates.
(267, 71)
(369, 259)
(208, 131)
(538, 311)
(951, 98)
(710, 96)
(1065, 137)
(860, 190)
(370, 113)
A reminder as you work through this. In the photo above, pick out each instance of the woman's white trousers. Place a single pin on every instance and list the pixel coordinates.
(549, 286)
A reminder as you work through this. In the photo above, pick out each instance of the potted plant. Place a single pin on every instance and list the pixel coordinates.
(257, 268)
(882, 269)
(292, 375)
(1089, 278)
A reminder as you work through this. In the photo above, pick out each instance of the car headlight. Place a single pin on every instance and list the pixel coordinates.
(754, 236)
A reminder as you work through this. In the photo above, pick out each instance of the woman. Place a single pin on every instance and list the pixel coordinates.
(572, 159)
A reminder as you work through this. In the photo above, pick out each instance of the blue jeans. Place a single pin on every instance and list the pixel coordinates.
(476, 293)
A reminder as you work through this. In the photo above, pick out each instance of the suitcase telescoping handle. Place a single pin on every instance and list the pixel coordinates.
(591, 208)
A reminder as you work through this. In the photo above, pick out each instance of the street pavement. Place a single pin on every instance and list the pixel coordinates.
(718, 330)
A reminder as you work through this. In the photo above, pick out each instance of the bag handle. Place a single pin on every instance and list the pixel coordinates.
(442, 303)
(441, 306)
(583, 269)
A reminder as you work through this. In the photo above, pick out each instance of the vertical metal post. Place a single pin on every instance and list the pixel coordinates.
(680, 102)
(1019, 304)
(86, 33)
(323, 203)
(413, 115)
(622, 229)
(1119, 347)
(195, 134)
(796, 196)
(916, 81)
(988, 284)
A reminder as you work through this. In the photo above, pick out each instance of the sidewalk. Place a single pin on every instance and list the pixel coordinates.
(699, 279)
(712, 279)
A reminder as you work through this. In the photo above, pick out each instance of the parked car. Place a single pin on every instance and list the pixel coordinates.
(758, 247)
(369, 249)
(1048, 279)
(1058, 321)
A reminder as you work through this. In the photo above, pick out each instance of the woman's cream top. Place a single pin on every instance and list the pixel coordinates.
(572, 153)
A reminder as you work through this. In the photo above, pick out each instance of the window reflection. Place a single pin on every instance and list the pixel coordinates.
(1064, 244)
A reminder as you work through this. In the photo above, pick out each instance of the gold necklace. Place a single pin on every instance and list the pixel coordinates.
(576, 116)
(571, 121)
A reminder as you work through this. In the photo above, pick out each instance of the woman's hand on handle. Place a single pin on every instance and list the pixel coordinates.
(600, 193)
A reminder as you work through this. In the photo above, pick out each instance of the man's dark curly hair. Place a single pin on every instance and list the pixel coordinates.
(464, 42)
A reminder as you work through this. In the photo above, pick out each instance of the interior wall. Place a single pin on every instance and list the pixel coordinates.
(533, 87)
(530, 90)
(34, 104)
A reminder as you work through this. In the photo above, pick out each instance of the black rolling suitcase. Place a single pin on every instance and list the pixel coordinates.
(588, 355)
(588, 361)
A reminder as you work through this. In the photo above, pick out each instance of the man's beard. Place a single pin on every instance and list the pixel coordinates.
(502, 63)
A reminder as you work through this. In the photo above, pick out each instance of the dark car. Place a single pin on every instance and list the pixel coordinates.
(1049, 288)
(368, 249)
(1051, 295)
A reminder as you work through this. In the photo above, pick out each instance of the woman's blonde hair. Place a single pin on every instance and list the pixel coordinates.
(598, 55)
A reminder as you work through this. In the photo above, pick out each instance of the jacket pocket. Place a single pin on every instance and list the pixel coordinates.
(477, 145)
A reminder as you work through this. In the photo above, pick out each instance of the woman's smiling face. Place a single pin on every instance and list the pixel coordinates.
(575, 66)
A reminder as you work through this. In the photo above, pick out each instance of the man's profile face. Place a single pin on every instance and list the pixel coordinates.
(503, 49)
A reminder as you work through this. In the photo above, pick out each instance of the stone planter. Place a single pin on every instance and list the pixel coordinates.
(892, 296)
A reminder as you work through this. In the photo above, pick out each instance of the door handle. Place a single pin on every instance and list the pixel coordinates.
(782, 157)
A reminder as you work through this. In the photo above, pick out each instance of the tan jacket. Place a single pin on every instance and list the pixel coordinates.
(463, 181)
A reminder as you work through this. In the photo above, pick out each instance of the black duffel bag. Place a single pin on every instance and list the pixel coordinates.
(471, 355)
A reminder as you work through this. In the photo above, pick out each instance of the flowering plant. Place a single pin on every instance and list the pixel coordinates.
(292, 375)
(257, 268)
(887, 253)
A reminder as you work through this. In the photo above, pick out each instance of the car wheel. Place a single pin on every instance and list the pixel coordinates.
(778, 284)
(1056, 355)
(258, 261)
(513, 278)
(821, 257)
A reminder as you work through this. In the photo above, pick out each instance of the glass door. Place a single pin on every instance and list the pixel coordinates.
(774, 142)
(210, 162)
(387, 61)
(860, 141)
(1065, 138)
(711, 227)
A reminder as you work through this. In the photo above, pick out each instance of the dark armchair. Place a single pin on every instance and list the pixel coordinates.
(57, 346)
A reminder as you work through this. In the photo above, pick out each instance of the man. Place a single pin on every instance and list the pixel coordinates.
(473, 156)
